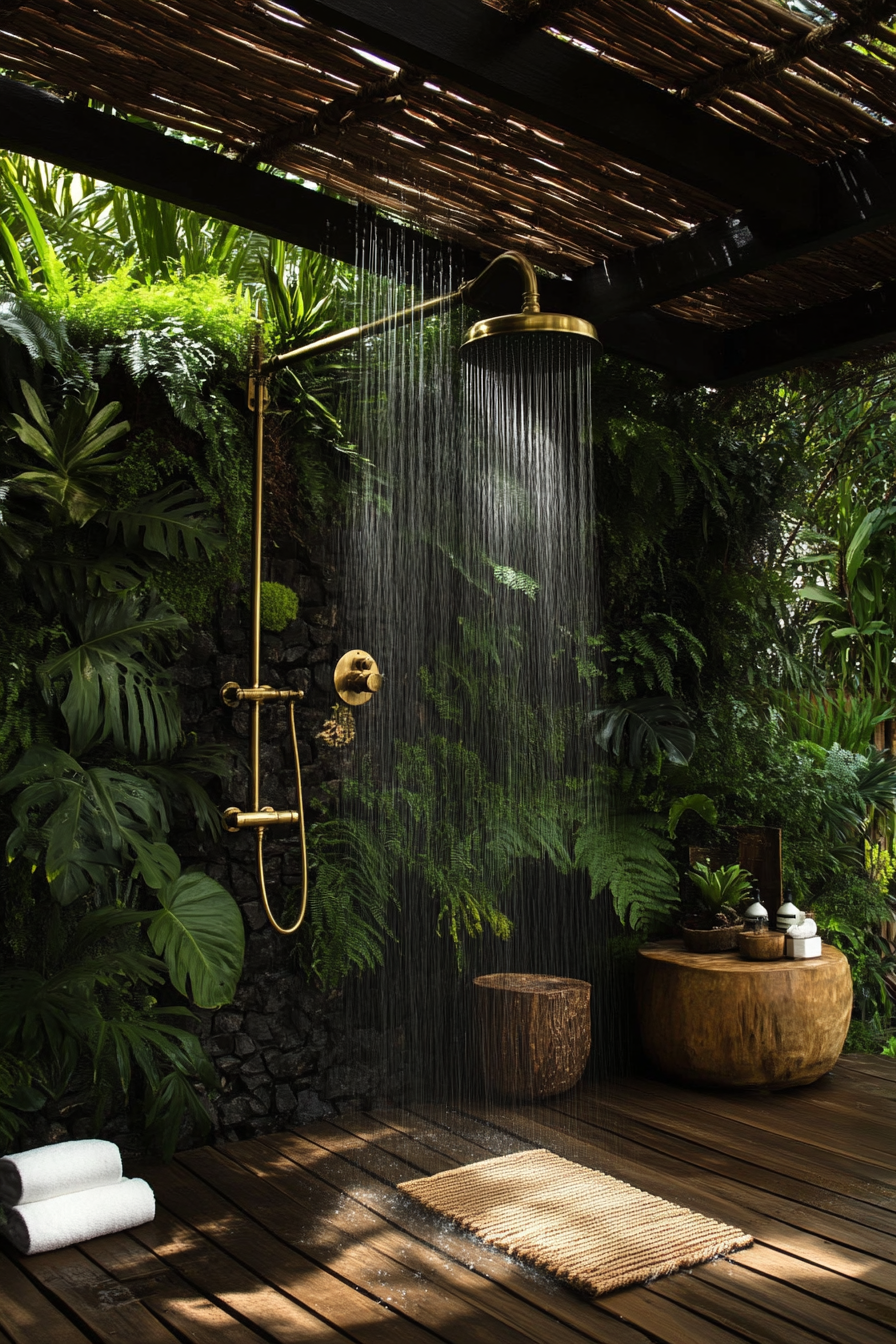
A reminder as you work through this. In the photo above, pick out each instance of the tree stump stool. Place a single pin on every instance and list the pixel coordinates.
(722, 1021)
(534, 1033)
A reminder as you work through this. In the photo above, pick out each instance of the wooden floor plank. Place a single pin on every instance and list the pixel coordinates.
(768, 1115)
(713, 1159)
(836, 1111)
(496, 1142)
(749, 1318)
(226, 1280)
(879, 1066)
(26, 1314)
(861, 1083)
(107, 1309)
(165, 1293)
(650, 1149)
(665, 1320)
(379, 1162)
(425, 1159)
(842, 1306)
(514, 1320)
(309, 1287)
(849, 1092)
(351, 1240)
(441, 1140)
(838, 1173)
(302, 1238)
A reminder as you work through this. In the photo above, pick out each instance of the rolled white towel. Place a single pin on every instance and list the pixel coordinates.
(807, 928)
(58, 1169)
(51, 1224)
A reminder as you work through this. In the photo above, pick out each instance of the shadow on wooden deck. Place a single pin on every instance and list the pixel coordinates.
(302, 1236)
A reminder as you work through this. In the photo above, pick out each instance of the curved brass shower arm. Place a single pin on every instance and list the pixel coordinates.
(530, 281)
(462, 293)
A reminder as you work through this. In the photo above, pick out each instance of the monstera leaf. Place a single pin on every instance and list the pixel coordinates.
(86, 823)
(115, 688)
(170, 523)
(199, 934)
(639, 730)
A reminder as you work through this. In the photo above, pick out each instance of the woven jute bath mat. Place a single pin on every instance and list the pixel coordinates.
(595, 1232)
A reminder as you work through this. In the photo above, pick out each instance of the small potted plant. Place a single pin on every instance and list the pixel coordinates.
(713, 924)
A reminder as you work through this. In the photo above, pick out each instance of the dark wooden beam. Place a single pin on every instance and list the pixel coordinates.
(857, 193)
(828, 331)
(688, 351)
(481, 49)
(115, 150)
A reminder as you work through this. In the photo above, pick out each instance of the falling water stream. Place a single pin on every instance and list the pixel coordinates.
(471, 575)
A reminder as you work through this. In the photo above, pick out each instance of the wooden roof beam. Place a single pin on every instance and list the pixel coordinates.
(857, 193)
(480, 49)
(828, 331)
(116, 150)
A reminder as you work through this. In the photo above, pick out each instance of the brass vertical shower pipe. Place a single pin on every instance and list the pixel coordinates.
(357, 676)
(257, 817)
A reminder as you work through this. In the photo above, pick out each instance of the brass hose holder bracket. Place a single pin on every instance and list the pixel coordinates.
(356, 677)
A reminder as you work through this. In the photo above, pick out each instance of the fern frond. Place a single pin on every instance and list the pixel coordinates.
(627, 853)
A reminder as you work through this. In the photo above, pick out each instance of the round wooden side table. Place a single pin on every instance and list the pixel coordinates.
(534, 1033)
(718, 1019)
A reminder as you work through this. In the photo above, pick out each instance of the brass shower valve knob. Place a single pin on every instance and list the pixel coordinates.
(357, 677)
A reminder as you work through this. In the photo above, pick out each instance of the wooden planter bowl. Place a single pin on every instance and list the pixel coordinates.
(761, 946)
(711, 940)
(534, 1033)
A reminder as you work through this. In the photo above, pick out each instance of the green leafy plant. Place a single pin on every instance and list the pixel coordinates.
(73, 447)
(94, 1002)
(115, 688)
(18, 1098)
(86, 822)
(640, 731)
(629, 854)
(842, 719)
(720, 889)
(199, 933)
(851, 604)
(352, 867)
(693, 802)
(279, 606)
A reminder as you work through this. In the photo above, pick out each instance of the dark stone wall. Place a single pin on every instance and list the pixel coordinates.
(281, 1049)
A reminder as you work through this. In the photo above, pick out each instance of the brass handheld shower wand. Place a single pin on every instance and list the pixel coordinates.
(357, 677)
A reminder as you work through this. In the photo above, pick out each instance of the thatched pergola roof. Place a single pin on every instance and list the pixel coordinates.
(726, 171)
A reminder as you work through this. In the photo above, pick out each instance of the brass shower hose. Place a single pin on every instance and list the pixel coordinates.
(259, 841)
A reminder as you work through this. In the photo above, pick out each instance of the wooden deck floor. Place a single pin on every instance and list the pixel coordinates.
(301, 1236)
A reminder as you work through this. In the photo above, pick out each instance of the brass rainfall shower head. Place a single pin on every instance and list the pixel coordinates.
(530, 321)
